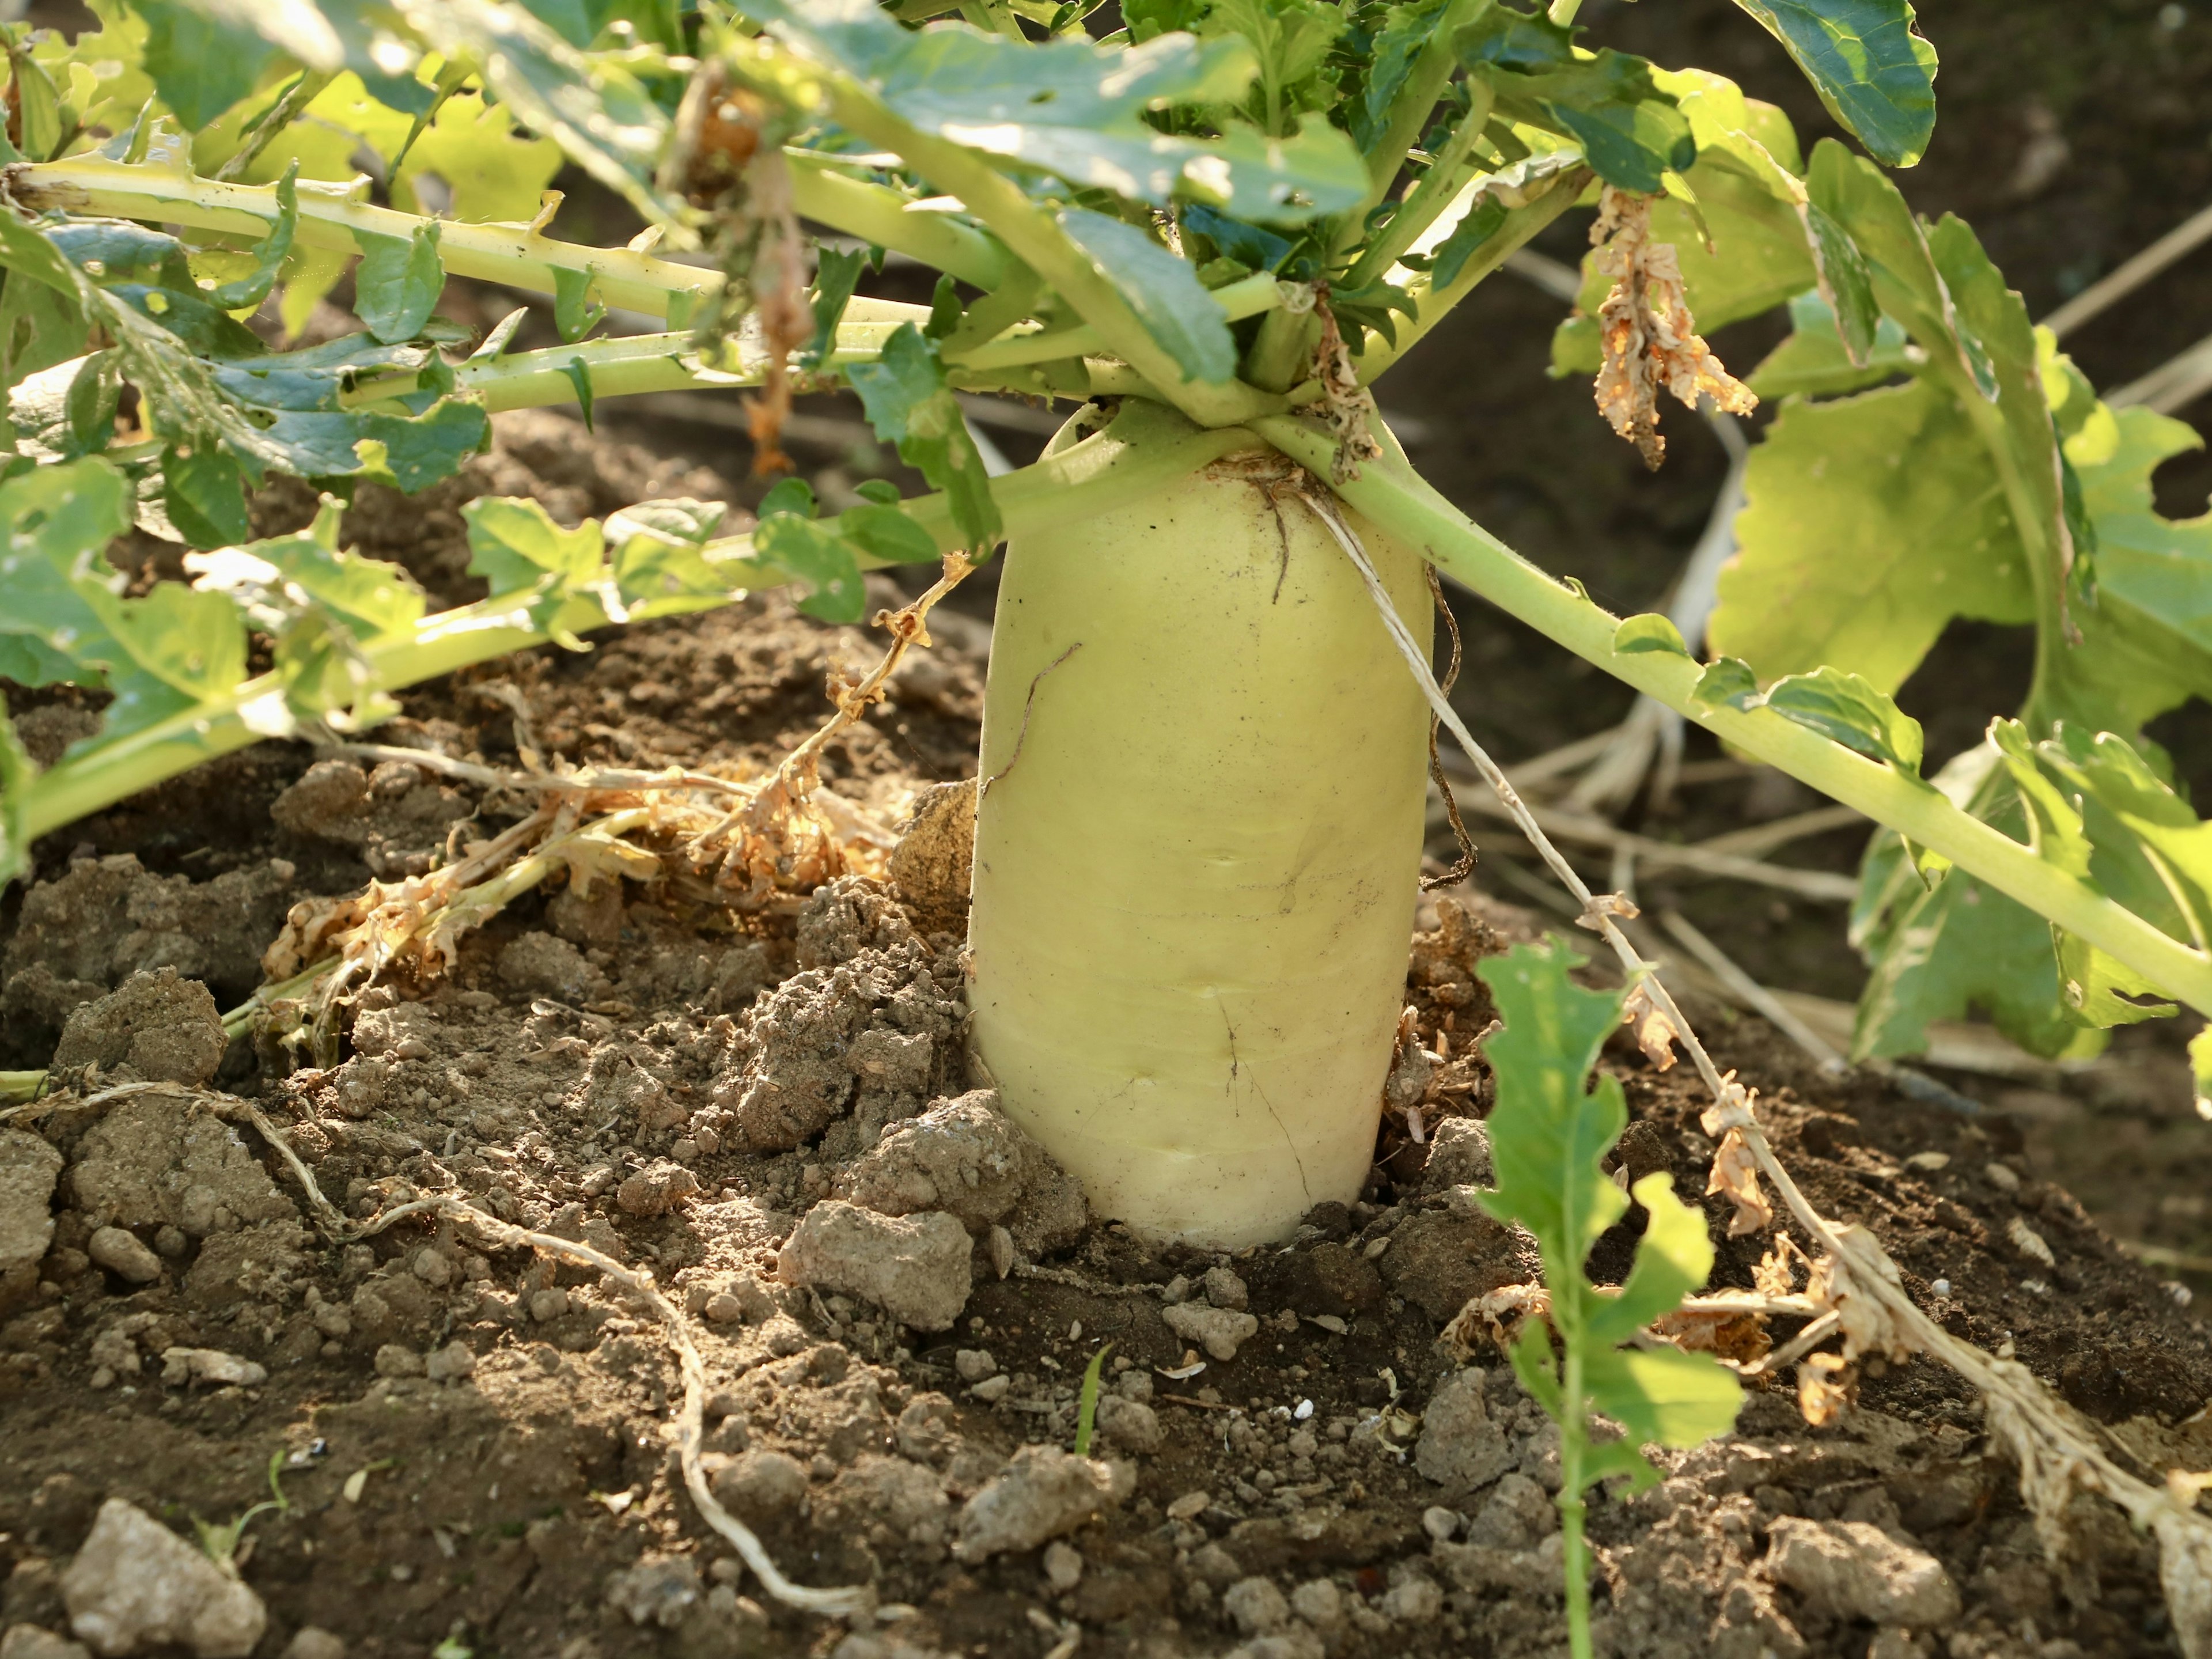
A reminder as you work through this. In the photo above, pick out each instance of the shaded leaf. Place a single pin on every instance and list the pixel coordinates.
(398, 281)
(1162, 289)
(1875, 75)
(201, 65)
(1846, 708)
(814, 552)
(1649, 632)
(909, 405)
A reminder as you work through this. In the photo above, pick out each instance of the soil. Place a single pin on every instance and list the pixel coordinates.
(478, 1449)
(476, 1446)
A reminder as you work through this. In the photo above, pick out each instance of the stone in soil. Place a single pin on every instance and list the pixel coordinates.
(1042, 1493)
(760, 1486)
(656, 1190)
(1850, 1569)
(161, 1026)
(124, 1254)
(1459, 1155)
(1461, 1447)
(916, 1268)
(30, 1642)
(930, 866)
(1220, 1330)
(135, 1585)
(28, 1170)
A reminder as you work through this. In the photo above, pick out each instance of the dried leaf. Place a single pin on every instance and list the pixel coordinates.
(1650, 338)
(1346, 406)
(1496, 1317)
(1735, 1173)
(1823, 1387)
(1656, 1033)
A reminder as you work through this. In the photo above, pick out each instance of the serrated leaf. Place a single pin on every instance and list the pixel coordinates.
(1290, 41)
(1076, 110)
(1869, 523)
(837, 273)
(516, 546)
(1548, 1131)
(1673, 1258)
(1728, 681)
(398, 281)
(268, 254)
(1875, 74)
(1846, 708)
(1162, 289)
(1660, 1396)
(1631, 132)
(909, 405)
(1406, 29)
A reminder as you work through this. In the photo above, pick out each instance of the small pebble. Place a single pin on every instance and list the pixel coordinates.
(1063, 1567)
(1191, 1506)
(123, 1254)
(1942, 1287)
(2001, 1176)
(992, 1389)
(974, 1364)
(1439, 1522)
(431, 1266)
(1929, 1162)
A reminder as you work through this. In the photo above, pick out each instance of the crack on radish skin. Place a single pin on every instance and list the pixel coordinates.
(1281, 1128)
(1029, 708)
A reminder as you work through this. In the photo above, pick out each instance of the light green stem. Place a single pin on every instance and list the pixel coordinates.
(884, 217)
(1520, 228)
(1574, 1442)
(1397, 501)
(511, 254)
(1428, 198)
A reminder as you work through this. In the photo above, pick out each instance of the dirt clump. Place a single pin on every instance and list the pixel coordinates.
(156, 1028)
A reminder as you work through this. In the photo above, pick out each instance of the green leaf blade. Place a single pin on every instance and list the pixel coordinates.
(1874, 72)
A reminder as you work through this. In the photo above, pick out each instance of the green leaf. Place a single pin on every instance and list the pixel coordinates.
(268, 254)
(515, 545)
(2200, 1067)
(575, 313)
(17, 770)
(1406, 29)
(1812, 362)
(837, 272)
(909, 405)
(661, 563)
(1162, 289)
(1291, 40)
(1846, 708)
(1547, 1131)
(201, 65)
(1868, 523)
(206, 496)
(1631, 132)
(883, 532)
(1660, 1396)
(398, 281)
(1875, 74)
(1548, 1135)
(1649, 632)
(1077, 110)
(815, 554)
(1727, 680)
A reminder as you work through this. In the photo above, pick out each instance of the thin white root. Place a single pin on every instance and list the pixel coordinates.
(2055, 1448)
(691, 1424)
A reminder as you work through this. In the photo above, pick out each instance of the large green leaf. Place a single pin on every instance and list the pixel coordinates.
(1868, 523)
(1076, 110)
(1162, 289)
(398, 281)
(1289, 40)
(1875, 74)
(1631, 132)
(201, 65)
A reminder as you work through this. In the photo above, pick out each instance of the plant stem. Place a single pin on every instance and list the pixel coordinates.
(1397, 501)
(1427, 199)
(1522, 226)
(1574, 1436)
(1431, 72)
(511, 254)
(1563, 12)
(885, 218)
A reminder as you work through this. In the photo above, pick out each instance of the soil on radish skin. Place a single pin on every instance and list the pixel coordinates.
(530, 1505)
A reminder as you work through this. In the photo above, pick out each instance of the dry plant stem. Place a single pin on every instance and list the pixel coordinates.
(2056, 1448)
(1723, 968)
(589, 779)
(1763, 838)
(909, 625)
